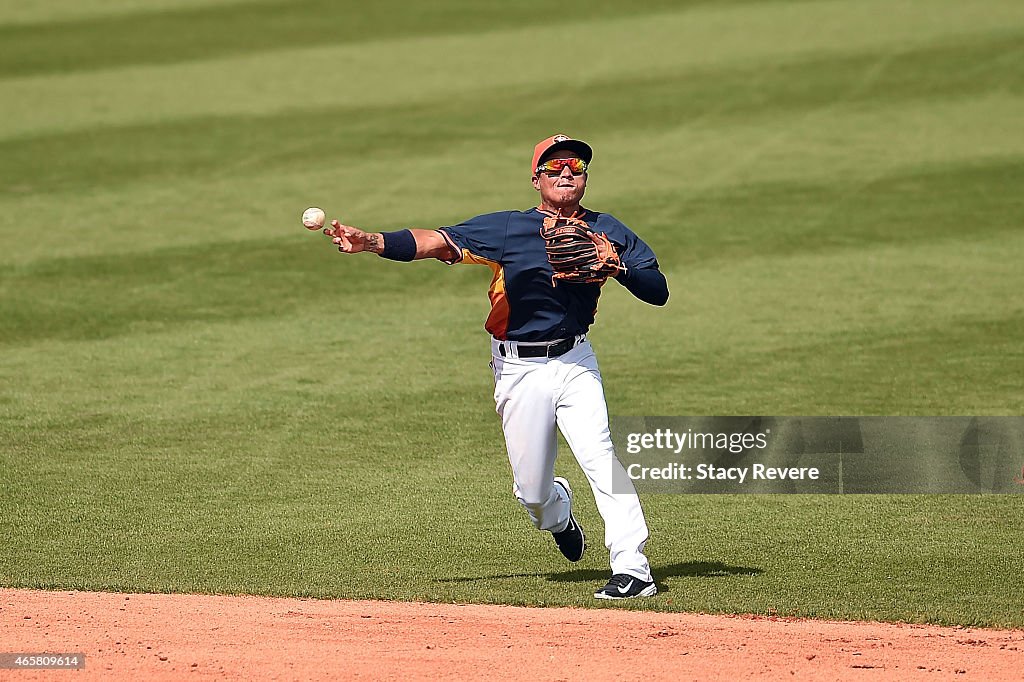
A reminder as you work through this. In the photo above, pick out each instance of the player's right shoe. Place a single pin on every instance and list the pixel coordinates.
(623, 586)
(571, 541)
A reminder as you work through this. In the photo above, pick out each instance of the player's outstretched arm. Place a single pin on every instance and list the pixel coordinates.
(427, 243)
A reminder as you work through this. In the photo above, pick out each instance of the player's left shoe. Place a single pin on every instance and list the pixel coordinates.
(571, 541)
(624, 586)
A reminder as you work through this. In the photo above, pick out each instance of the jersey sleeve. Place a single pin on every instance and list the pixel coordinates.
(633, 251)
(479, 239)
(641, 277)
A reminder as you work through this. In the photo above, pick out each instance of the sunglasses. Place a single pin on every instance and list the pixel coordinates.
(555, 166)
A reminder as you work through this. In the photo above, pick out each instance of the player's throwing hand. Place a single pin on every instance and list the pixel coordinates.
(350, 239)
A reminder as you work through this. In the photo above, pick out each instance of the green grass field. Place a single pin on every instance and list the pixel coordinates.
(198, 395)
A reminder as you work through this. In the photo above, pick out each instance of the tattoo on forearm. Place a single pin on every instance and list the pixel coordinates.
(373, 243)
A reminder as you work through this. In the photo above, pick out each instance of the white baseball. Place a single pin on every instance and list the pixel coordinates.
(313, 218)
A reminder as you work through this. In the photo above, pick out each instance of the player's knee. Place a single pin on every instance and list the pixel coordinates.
(595, 456)
(536, 507)
(533, 504)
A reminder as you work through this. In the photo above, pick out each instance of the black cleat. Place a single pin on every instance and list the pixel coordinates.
(571, 541)
(623, 586)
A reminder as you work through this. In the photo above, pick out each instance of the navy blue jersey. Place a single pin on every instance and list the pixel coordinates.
(525, 305)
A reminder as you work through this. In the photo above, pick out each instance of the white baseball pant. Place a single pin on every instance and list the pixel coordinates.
(532, 396)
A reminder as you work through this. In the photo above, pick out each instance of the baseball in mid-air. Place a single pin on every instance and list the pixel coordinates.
(313, 218)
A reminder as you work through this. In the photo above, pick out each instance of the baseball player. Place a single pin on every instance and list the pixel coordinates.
(549, 264)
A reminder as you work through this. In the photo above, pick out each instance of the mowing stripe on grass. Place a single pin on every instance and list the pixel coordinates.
(191, 33)
(31, 15)
(853, 146)
(724, 96)
(420, 69)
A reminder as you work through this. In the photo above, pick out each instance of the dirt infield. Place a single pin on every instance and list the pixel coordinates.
(162, 637)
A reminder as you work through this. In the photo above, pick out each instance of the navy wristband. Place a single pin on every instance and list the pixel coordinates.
(399, 245)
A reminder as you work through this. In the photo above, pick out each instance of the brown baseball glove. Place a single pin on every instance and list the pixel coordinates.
(578, 254)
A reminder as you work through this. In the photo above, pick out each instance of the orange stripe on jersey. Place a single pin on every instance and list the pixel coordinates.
(497, 321)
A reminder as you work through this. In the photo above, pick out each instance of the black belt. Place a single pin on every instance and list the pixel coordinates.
(548, 350)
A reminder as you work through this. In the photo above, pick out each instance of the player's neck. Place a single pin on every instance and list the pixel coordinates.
(564, 210)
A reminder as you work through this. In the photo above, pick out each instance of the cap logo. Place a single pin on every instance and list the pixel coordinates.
(559, 138)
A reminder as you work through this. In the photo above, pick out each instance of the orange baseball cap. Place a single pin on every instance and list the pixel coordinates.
(556, 142)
